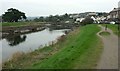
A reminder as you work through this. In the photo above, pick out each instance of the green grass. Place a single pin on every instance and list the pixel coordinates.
(14, 24)
(80, 49)
(114, 28)
(104, 33)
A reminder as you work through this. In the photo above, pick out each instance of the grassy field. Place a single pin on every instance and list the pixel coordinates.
(114, 28)
(80, 49)
(19, 23)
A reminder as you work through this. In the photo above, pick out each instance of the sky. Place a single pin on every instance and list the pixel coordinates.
(52, 7)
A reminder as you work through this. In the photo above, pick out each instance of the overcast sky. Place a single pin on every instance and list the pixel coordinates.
(53, 7)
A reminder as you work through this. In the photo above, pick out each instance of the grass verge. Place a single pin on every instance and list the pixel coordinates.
(80, 49)
(19, 23)
(114, 28)
(104, 33)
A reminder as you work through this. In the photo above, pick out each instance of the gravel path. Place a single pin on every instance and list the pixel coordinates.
(0, 56)
(109, 57)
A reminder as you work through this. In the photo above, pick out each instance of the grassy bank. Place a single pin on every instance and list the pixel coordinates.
(19, 23)
(104, 33)
(114, 28)
(80, 49)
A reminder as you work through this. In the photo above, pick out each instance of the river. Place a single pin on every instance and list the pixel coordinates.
(27, 42)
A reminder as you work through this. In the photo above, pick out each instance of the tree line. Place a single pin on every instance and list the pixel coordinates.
(51, 18)
(14, 15)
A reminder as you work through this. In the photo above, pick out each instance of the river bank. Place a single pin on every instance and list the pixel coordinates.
(28, 27)
(17, 30)
(29, 42)
(76, 50)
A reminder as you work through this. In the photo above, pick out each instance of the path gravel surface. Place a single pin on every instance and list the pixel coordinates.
(109, 57)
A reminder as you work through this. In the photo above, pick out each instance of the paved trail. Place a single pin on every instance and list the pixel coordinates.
(109, 57)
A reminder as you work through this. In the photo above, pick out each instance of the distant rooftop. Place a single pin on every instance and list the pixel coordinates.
(92, 14)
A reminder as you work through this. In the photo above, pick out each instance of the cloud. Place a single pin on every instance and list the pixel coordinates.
(47, 7)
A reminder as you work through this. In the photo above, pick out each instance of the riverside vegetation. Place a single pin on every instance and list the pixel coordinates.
(80, 49)
(18, 24)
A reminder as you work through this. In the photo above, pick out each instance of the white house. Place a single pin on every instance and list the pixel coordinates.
(67, 21)
(74, 15)
(92, 14)
(79, 19)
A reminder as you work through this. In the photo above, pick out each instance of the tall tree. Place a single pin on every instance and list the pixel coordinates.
(13, 15)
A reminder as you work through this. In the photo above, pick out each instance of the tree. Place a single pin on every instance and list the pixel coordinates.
(13, 15)
(41, 19)
(87, 20)
(51, 18)
(64, 17)
(36, 20)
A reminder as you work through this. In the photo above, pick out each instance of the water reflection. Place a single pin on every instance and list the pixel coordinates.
(15, 40)
(28, 42)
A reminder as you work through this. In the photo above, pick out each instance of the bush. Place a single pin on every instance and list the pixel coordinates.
(87, 20)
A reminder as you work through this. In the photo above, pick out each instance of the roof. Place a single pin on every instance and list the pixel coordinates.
(92, 14)
(115, 9)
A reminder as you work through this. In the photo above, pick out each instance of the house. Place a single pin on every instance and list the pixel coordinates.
(119, 10)
(115, 13)
(92, 14)
(67, 21)
(79, 19)
(74, 16)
